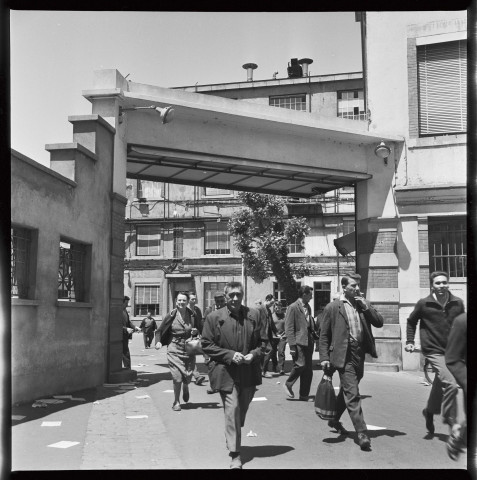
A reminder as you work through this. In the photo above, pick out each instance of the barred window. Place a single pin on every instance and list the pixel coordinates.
(448, 245)
(442, 88)
(71, 272)
(292, 102)
(148, 240)
(217, 238)
(351, 104)
(146, 299)
(297, 245)
(178, 241)
(20, 275)
(149, 189)
(209, 289)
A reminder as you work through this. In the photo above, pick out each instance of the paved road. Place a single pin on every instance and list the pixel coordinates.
(288, 433)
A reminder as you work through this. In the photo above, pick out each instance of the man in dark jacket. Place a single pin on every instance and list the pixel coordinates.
(436, 313)
(299, 330)
(345, 338)
(128, 329)
(148, 327)
(231, 338)
(272, 336)
(456, 361)
(198, 378)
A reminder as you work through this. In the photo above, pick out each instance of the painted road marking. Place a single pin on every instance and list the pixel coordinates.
(51, 424)
(374, 427)
(143, 396)
(18, 417)
(137, 416)
(67, 397)
(78, 399)
(259, 399)
(50, 400)
(63, 444)
(168, 391)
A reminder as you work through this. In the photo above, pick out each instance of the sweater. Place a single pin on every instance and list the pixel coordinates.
(436, 322)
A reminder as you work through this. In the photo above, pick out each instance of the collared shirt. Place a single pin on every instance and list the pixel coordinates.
(238, 329)
(353, 318)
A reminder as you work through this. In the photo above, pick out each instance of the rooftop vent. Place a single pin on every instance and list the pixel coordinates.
(304, 62)
(250, 67)
(294, 69)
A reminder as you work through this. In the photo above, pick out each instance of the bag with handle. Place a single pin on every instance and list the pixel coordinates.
(325, 399)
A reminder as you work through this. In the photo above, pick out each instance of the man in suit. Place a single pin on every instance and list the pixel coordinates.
(436, 313)
(231, 338)
(271, 335)
(128, 329)
(345, 338)
(300, 331)
(198, 378)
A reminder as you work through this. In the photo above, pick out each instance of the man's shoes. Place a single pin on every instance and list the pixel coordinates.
(267, 375)
(236, 463)
(364, 442)
(176, 407)
(282, 372)
(304, 398)
(200, 380)
(338, 426)
(210, 391)
(429, 421)
(185, 394)
(289, 391)
(454, 445)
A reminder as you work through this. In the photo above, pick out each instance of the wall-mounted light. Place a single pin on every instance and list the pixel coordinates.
(382, 151)
(166, 113)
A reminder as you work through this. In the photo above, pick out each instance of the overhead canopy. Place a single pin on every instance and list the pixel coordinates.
(346, 244)
(237, 145)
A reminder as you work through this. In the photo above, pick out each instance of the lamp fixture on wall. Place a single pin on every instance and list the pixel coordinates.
(166, 113)
(382, 151)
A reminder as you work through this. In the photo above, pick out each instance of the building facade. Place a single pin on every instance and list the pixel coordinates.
(177, 237)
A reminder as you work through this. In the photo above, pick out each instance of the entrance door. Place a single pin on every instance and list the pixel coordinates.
(321, 295)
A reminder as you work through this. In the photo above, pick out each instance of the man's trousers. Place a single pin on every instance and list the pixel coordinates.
(148, 337)
(444, 390)
(348, 396)
(126, 354)
(281, 354)
(236, 404)
(302, 368)
(271, 354)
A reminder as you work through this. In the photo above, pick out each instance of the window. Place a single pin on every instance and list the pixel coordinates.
(177, 241)
(297, 245)
(21, 268)
(351, 105)
(279, 294)
(148, 240)
(321, 295)
(209, 289)
(217, 238)
(348, 226)
(149, 189)
(72, 271)
(442, 87)
(448, 245)
(217, 192)
(292, 102)
(146, 299)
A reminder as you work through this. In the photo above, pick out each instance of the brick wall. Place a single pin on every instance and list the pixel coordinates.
(390, 312)
(385, 242)
(423, 241)
(382, 277)
(424, 277)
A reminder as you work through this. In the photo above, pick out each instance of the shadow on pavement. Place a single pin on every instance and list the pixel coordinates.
(440, 436)
(249, 453)
(195, 406)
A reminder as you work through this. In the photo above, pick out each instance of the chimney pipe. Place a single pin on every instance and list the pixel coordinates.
(304, 62)
(250, 67)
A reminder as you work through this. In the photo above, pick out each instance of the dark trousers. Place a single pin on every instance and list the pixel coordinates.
(281, 354)
(148, 338)
(126, 354)
(271, 354)
(302, 368)
(348, 396)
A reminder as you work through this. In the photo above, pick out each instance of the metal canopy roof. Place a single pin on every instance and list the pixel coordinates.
(187, 168)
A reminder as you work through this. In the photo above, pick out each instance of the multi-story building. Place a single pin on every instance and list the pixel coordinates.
(177, 236)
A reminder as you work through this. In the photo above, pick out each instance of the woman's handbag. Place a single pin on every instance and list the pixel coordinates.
(193, 346)
(325, 399)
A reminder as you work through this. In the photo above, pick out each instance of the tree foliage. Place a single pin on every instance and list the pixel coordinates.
(262, 234)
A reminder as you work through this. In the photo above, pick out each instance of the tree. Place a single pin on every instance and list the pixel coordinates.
(262, 234)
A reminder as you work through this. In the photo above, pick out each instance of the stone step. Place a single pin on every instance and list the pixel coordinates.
(381, 367)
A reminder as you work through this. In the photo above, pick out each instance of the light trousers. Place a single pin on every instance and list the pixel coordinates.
(236, 404)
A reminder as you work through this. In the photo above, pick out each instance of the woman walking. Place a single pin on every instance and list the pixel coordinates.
(175, 329)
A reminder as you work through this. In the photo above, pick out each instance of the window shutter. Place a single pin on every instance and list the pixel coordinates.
(442, 76)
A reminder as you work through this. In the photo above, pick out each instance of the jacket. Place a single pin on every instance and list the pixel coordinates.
(218, 342)
(334, 332)
(164, 332)
(456, 351)
(296, 328)
(435, 323)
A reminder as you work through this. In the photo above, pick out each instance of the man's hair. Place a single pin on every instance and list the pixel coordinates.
(191, 292)
(232, 285)
(126, 298)
(183, 293)
(438, 274)
(345, 278)
(269, 297)
(304, 289)
(218, 294)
